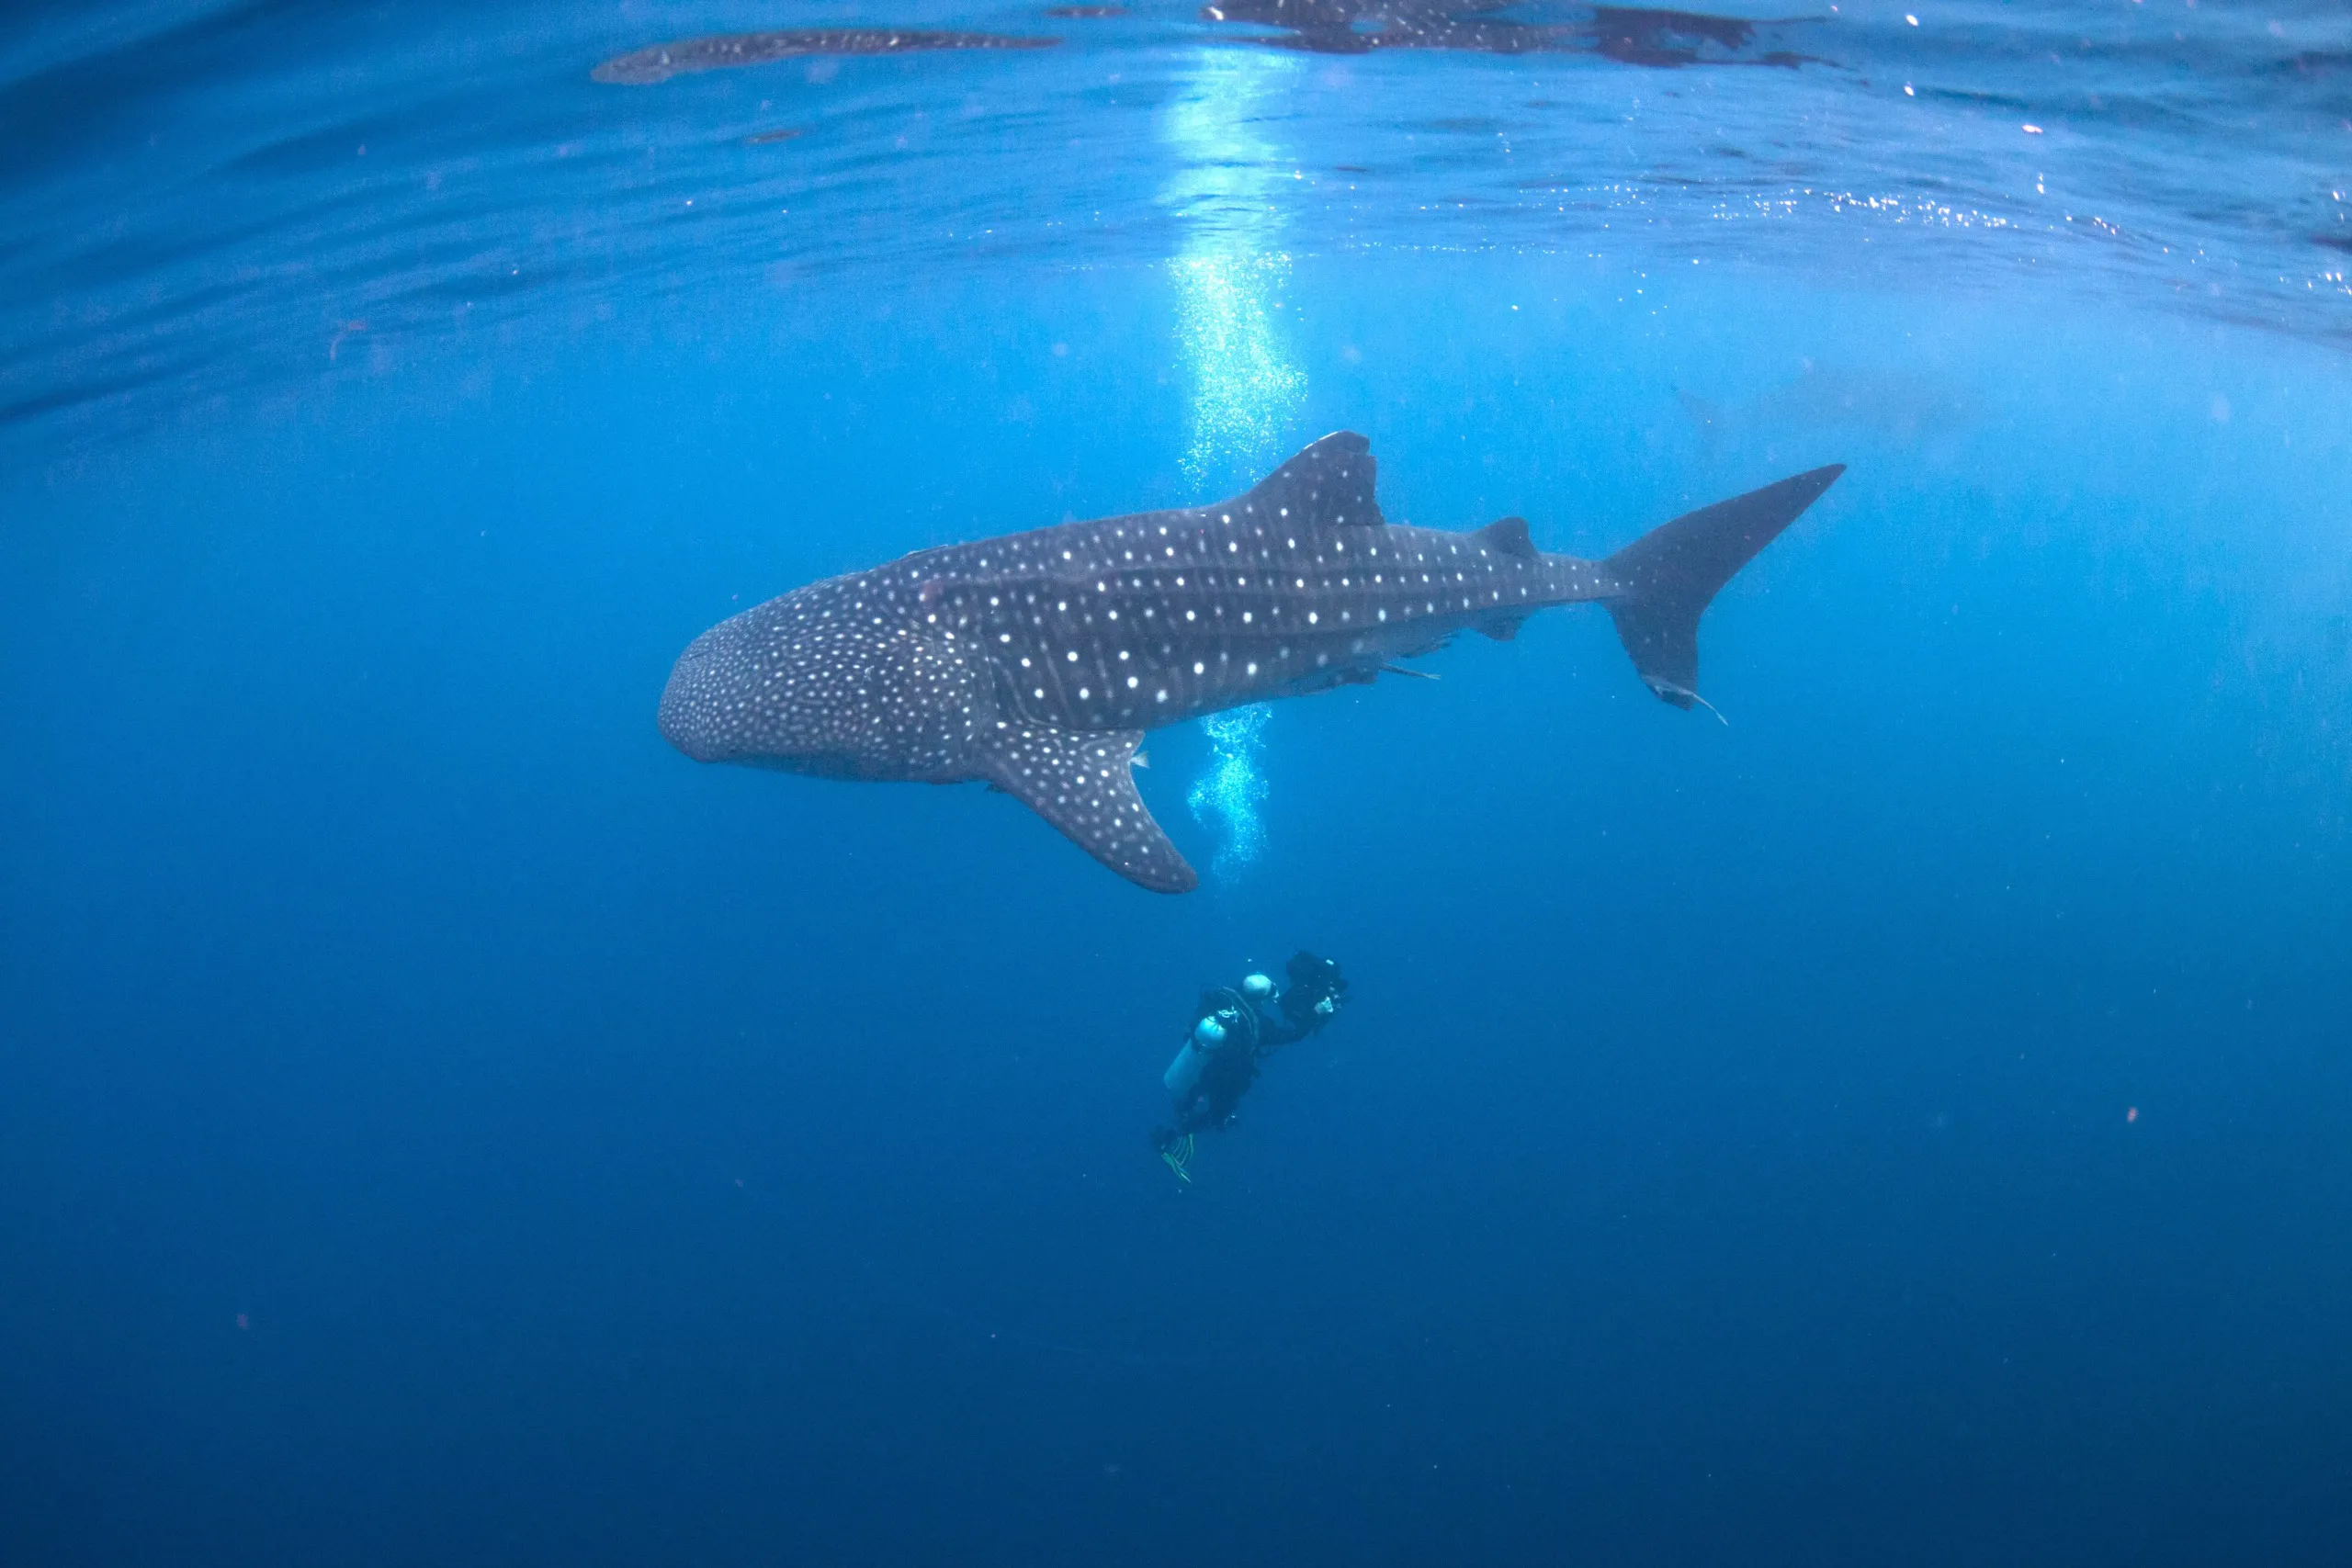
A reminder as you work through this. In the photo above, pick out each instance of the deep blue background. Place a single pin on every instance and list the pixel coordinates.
(1726, 1158)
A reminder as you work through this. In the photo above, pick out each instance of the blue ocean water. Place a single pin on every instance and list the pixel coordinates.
(1907, 1123)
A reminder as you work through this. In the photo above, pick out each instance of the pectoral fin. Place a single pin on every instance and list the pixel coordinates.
(1080, 779)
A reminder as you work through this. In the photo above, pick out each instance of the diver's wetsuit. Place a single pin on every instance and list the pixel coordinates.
(1253, 1029)
(1257, 1030)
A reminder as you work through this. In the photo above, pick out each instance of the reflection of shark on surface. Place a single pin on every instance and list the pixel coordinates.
(1629, 35)
(728, 52)
(1035, 662)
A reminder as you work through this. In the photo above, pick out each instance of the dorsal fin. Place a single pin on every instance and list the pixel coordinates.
(1508, 537)
(1329, 485)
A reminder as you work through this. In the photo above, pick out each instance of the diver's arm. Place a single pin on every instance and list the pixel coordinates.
(1276, 1027)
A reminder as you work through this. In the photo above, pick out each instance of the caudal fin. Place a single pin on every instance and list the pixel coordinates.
(1667, 577)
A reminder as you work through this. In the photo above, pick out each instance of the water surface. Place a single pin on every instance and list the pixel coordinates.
(438, 1122)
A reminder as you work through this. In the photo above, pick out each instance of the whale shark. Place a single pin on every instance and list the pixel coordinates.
(1034, 663)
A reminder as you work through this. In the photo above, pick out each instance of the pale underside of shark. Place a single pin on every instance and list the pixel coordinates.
(1034, 663)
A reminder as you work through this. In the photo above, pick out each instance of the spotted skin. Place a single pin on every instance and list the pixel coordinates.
(1035, 662)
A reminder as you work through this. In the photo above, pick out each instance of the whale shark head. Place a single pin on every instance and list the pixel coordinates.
(809, 684)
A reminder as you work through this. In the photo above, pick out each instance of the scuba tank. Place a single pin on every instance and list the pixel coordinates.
(1185, 1073)
(1225, 1023)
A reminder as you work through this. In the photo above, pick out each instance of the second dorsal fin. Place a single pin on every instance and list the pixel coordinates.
(1508, 537)
(1329, 485)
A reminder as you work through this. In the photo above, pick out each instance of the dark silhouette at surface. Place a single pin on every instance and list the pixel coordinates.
(1629, 35)
(722, 51)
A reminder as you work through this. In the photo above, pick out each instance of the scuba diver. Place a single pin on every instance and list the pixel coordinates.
(1232, 1030)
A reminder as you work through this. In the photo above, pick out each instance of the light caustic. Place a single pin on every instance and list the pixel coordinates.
(1246, 391)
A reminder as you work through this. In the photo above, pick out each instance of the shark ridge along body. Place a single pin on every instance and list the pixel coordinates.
(1035, 662)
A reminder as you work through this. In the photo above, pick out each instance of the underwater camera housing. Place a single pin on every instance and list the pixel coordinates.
(1317, 990)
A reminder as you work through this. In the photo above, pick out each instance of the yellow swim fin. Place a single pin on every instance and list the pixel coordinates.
(1177, 1156)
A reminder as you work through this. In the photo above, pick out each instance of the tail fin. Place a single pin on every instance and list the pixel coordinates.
(1667, 577)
